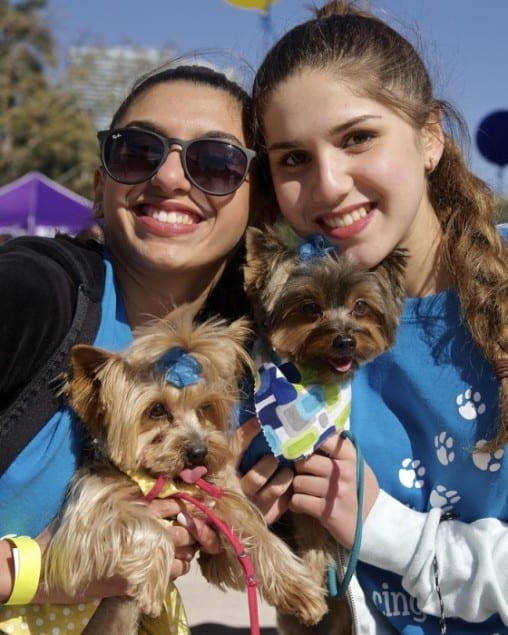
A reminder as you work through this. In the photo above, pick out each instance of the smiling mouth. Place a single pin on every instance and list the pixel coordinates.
(345, 220)
(167, 217)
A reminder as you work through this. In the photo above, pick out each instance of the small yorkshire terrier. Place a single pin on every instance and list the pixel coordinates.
(163, 407)
(320, 316)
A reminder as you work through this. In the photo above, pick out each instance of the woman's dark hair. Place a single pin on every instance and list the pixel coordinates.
(196, 74)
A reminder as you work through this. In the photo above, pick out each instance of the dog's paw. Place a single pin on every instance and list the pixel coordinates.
(310, 607)
(308, 604)
(150, 602)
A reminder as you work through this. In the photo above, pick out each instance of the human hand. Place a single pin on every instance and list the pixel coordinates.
(189, 534)
(325, 487)
(265, 484)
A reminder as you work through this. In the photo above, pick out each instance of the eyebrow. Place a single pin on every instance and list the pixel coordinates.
(340, 129)
(216, 134)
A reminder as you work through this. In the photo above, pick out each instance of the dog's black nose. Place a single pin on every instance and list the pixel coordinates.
(195, 455)
(344, 344)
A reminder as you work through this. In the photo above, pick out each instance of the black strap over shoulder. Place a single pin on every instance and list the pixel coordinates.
(37, 402)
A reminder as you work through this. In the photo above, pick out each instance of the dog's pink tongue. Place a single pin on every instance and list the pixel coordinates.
(192, 474)
(341, 364)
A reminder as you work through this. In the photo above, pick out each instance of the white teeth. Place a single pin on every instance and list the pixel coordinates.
(346, 219)
(173, 218)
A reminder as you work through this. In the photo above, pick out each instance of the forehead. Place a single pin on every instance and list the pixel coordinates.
(314, 102)
(178, 104)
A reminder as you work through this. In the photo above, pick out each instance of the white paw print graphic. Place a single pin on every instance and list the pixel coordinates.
(485, 461)
(443, 498)
(444, 448)
(411, 474)
(470, 405)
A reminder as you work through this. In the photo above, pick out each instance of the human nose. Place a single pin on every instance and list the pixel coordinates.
(332, 177)
(171, 174)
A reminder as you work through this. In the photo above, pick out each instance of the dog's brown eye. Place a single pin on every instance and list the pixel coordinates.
(159, 411)
(203, 410)
(311, 308)
(360, 308)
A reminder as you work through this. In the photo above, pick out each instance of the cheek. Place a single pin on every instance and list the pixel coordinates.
(113, 200)
(289, 198)
(233, 212)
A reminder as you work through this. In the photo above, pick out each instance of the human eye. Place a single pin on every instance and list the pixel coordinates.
(359, 139)
(293, 159)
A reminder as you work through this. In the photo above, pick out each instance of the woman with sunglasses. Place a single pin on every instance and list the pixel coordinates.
(172, 194)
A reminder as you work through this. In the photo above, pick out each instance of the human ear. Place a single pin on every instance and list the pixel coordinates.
(433, 141)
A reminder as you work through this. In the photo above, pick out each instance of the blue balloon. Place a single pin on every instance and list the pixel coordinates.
(492, 137)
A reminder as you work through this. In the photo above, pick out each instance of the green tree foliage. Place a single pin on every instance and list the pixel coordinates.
(42, 126)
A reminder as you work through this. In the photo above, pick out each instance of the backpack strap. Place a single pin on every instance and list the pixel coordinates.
(37, 402)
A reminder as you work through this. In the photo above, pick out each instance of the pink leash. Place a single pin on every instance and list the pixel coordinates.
(243, 557)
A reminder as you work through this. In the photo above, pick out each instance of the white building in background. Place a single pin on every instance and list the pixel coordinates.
(103, 76)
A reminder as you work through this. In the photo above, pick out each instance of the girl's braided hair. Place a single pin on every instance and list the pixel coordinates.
(366, 53)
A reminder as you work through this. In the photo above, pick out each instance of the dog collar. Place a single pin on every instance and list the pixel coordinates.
(296, 416)
(151, 487)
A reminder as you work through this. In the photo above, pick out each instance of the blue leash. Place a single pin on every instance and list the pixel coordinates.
(340, 590)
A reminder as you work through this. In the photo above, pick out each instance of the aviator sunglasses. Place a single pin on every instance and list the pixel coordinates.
(215, 166)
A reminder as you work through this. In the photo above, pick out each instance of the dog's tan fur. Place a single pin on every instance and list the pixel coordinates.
(320, 314)
(140, 422)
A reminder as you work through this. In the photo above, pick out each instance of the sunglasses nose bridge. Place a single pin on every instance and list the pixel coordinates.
(173, 172)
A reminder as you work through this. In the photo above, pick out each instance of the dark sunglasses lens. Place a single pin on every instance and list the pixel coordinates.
(216, 166)
(132, 156)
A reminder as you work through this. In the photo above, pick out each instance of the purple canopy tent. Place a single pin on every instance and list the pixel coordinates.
(36, 205)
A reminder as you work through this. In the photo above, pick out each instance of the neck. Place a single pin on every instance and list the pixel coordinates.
(426, 273)
(154, 294)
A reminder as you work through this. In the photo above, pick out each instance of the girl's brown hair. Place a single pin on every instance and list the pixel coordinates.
(374, 59)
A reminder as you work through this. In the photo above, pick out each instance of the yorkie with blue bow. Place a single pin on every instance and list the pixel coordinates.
(161, 416)
(318, 317)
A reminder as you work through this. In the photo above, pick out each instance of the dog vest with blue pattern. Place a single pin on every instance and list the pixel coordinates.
(295, 414)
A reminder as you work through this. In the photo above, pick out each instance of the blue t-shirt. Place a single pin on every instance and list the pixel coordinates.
(417, 412)
(32, 489)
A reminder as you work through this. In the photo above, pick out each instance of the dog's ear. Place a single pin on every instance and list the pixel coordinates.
(265, 248)
(240, 335)
(256, 264)
(85, 384)
(270, 261)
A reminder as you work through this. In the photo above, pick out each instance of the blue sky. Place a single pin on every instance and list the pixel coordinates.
(464, 42)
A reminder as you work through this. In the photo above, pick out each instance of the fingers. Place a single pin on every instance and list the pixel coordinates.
(189, 535)
(268, 487)
(258, 476)
(200, 532)
(277, 487)
(338, 447)
(245, 434)
(273, 500)
(165, 507)
(179, 567)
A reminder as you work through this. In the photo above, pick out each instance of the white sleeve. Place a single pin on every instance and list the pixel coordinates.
(472, 558)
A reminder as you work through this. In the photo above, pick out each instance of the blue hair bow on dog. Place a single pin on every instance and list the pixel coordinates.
(313, 246)
(179, 367)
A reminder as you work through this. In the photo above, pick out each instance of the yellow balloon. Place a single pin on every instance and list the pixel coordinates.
(261, 5)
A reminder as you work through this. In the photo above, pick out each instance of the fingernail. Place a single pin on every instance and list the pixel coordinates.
(184, 520)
